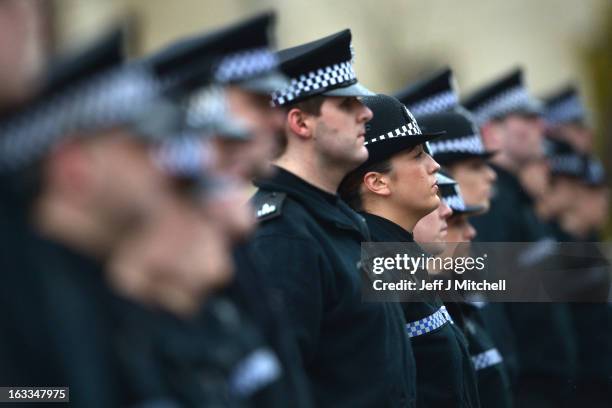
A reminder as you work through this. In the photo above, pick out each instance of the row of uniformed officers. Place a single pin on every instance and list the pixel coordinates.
(133, 271)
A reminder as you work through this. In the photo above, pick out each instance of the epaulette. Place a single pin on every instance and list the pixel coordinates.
(268, 205)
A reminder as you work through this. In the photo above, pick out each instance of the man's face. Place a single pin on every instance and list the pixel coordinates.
(21, 48)
(460, 230)
(252, 158)
(412, 182)
(460, 234)
(121, 183)
(339, 132)
(475, 178)
(561, 196)
(535, 178)
(431, 231)
(522, 137)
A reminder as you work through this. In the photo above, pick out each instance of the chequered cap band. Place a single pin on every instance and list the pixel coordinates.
(486, 359)
(467, 144)
(245, 65)
(185, 156)
(435, 104)
(409, 129)
(455, 202)
(113, 98)
(429, 323)
(319, 80)
(595, 172)
(565, 111)
(206, 106)
(567, 163)
(503, 103)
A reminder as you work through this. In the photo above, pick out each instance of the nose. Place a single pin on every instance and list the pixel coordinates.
(445, 211)
(434, 166)
(491, 174)
(365, 114)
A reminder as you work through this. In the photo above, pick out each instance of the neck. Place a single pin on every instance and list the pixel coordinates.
(308, 168)
(69, 225)
(401, 217)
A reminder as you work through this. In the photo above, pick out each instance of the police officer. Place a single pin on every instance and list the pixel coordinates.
(494, 388)
(461, 151)
(395, 189)
(308, 241)
(510, 122)
(78, 160)
(228, 100)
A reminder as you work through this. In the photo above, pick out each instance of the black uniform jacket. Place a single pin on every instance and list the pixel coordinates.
(445, 375)
(355, 353)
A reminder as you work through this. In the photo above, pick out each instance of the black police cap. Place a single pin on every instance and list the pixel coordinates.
(240, 53)
(321, 67)
(450, 193)
(564, 159)
(564, 106)
(462, 139)
(433, 94)
(501, 97)
(392, 129)
(88, 91)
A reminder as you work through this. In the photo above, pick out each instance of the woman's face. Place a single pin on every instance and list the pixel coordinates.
(475, 178)
(412, 181)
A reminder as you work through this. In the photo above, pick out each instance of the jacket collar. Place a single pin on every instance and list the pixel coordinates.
(383, 230)
(326, 207)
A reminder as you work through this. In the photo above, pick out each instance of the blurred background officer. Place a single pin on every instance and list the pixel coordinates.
(394, 190)
(510, 122)
(494, 387)
(243, 137)
(80, 164)
(308, 242)
(577, 181)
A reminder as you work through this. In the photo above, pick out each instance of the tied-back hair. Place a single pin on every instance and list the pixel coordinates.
(350, 188)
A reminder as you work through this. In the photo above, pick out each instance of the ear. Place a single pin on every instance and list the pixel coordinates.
(377, 183)
(300, 123)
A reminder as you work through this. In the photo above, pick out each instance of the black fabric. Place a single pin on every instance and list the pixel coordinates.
(543, 337)
(355, 353)
(494, 386)
(326, 51)
(445, 375)
(494, 89)
(192, 60)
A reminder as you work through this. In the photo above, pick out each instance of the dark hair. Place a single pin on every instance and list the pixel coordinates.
(350, 188)
(310, 105)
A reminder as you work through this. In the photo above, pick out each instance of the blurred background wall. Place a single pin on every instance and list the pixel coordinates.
(397, 41)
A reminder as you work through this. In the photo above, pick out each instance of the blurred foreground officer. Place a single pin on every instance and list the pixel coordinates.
(238, 138)
(395, 189)
(79, 167)
(510, 123)
(355, 353)
(229, 71)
